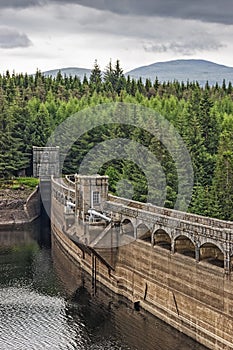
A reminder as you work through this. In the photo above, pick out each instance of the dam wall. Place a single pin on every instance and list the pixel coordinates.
(186, 281)
(195, 298)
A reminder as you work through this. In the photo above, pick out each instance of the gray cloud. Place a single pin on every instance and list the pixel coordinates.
(20, 4)
(203, 10)
(186, 48)
(10, 38)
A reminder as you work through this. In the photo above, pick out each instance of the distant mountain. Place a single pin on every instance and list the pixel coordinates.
(183, 70)
(80, 72)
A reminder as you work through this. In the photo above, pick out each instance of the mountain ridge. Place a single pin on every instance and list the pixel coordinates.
(181, 70)
(184, 70)
(69, 71)
(190, 60)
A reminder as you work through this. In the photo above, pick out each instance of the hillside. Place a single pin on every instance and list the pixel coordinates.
(183, 70)
(80, 72)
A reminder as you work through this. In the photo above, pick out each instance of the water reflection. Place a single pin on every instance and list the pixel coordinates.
(110, 321)
(47, 303)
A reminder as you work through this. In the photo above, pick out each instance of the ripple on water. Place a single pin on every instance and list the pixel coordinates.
(29, 320)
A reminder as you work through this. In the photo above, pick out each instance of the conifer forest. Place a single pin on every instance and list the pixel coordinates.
(32, 106)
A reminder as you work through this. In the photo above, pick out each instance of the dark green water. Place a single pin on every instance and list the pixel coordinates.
(45, 303)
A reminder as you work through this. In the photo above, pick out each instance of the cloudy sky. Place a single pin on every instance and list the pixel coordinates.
(49, 34)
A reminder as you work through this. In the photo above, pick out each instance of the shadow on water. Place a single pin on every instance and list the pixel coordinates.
(44, 236)
(25, 256)
(111, 319)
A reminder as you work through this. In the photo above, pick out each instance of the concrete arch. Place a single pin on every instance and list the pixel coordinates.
(144, 232)
(184, 245)
(212, 254)
(162, 239)
(140, 223)
(156, 227)
(231, 262)
(184, 234)
(127, 227)
(126, 220)
(211, 241)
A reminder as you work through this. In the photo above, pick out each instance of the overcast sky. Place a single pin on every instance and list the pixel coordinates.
(50, 34)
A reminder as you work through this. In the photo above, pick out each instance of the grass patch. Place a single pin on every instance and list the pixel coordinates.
(30, 182)
(19, 182)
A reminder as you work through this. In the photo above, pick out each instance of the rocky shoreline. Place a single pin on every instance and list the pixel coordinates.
(18, 207)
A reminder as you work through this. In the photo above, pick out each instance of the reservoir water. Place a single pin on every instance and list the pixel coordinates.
(46, 302)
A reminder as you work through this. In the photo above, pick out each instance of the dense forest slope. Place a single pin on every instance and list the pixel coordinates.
(32, 106)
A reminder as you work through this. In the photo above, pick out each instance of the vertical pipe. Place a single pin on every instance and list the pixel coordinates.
(93, 271)
(227, 260)
(197, 253)
(173, 246)
(152, 239)
(95, 275)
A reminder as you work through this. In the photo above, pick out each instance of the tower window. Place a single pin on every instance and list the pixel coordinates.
(96, 198)
(45, 156)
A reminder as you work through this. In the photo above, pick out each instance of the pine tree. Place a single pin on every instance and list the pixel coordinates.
(115, 77)
(141, 87)
(128, 85)
(133, 89)
(156, 84)
(96, 77)
(195, 143)
(12, 159)
(209, 124)
(222, 192)
(109, 74)
(40, 128)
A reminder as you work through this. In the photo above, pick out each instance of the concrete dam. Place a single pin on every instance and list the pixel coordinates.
(178, 266)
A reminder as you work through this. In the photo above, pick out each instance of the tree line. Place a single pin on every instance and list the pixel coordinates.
(31, 106)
